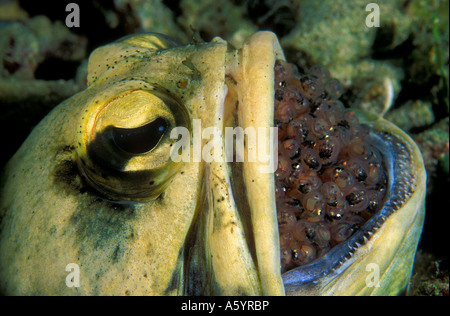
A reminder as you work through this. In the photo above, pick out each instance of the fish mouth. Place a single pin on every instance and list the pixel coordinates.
(334, 178)
(347, 182)
(388, 151)
(331, 177)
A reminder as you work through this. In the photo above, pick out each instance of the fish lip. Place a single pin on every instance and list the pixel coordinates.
(402, 184)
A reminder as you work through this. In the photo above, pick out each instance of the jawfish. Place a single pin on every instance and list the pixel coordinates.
(95, 183)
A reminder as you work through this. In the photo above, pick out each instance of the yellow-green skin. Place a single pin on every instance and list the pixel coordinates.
(213, 230)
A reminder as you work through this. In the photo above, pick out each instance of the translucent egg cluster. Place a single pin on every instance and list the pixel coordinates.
(330, 180)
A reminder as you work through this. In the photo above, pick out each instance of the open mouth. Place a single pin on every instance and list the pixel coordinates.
(118, 197)
(330, 179)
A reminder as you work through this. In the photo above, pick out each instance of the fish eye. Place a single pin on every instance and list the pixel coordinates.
(124, 144)
(141, 139)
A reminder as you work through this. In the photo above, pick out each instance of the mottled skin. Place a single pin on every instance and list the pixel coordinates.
(195, 227)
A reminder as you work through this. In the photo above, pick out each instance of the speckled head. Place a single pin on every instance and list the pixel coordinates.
(94, 184)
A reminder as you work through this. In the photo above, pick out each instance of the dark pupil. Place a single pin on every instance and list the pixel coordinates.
(140, 139)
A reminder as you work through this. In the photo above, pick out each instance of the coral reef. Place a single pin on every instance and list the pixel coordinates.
(30, 52)
(429, 279)
(149, 16)
(26, 45)
(229, 20)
